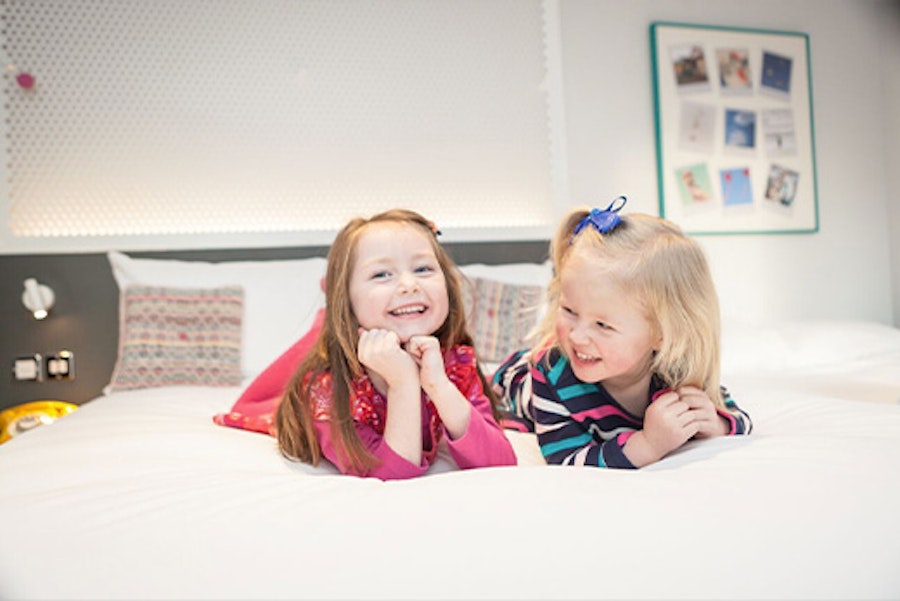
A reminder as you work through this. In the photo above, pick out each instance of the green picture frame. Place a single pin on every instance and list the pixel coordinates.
(735, 140)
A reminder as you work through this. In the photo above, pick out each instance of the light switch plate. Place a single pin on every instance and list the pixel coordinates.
(61, 366)
(28, 368)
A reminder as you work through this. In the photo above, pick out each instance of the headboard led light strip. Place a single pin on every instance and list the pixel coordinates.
(201, 116)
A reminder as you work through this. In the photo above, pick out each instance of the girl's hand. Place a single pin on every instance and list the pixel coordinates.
(380, 352)
(426, 351)
(450, 403)
(668, 424)
(709, 422)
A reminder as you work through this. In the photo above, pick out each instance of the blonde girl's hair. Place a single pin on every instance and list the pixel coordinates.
(668, 273)
(335, 349)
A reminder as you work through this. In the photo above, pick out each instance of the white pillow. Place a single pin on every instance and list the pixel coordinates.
(802, 344)
(532, 274)
(751, 348)
(280, 296)
(815, 343)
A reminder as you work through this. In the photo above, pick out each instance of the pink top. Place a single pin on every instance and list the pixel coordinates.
(482, 445)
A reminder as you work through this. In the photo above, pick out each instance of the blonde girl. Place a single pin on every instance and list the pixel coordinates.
(627, 366)
(393, 371)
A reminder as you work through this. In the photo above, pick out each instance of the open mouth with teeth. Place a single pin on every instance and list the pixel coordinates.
(408, 310)
(586, 358)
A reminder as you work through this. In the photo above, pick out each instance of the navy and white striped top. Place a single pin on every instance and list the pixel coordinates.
(577, 423)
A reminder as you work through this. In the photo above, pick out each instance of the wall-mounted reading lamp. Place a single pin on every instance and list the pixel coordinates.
(37, 298)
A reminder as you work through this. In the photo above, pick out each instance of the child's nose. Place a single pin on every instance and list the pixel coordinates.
(408, 282)
(578, 333)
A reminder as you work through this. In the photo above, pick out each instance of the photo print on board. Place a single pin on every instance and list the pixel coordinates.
(697, 127)
(734, 70)
(775, 78)
(736, 190)
(689, 66)
(778, 132)
(781, 186)
(740, 129)
(694, 184)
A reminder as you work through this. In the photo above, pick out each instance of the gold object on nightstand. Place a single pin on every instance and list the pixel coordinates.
(27, 416)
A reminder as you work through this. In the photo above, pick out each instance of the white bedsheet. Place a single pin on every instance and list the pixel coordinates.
(138, 495)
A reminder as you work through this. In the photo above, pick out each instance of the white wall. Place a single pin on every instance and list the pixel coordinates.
(890, 70)
(844, 270)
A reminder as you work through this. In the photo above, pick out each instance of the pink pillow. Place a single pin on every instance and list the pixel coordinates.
(255, 408)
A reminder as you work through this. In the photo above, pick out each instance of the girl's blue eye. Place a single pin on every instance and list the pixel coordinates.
(380, 275)
(424, 269)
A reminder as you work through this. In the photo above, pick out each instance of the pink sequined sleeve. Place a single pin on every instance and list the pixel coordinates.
(483, 444)
(391, 465)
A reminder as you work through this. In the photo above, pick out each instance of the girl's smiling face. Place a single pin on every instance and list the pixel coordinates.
(396, 282)
(601, 327)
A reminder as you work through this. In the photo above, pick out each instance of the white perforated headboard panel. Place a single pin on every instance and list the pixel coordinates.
(229, 116)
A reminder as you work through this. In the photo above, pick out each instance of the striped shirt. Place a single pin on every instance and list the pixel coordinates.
(580, 423)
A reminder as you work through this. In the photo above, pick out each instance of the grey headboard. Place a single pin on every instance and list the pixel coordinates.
(84, 319)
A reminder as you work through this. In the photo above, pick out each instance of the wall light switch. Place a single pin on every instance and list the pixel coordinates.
(28, 368)
(61, 366)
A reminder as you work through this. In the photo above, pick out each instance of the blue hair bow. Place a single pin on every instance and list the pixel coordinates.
(603, 221)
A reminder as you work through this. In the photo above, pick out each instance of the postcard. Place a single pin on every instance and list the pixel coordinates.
(697, 127)
(778, 132)
(734, 70)
(736, 187)
(694, 184)
(740, 129)
(781, 186)
(689, 65)
(776, 74)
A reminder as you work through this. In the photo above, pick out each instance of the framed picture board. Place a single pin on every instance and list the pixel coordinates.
(734, 130)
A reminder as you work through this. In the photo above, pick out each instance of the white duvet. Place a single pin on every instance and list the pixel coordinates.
(138, 495)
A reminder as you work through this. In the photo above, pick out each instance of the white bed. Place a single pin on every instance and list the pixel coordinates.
(139, 495)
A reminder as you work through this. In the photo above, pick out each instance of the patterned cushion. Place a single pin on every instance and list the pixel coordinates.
(500, 315)
(179, 337)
